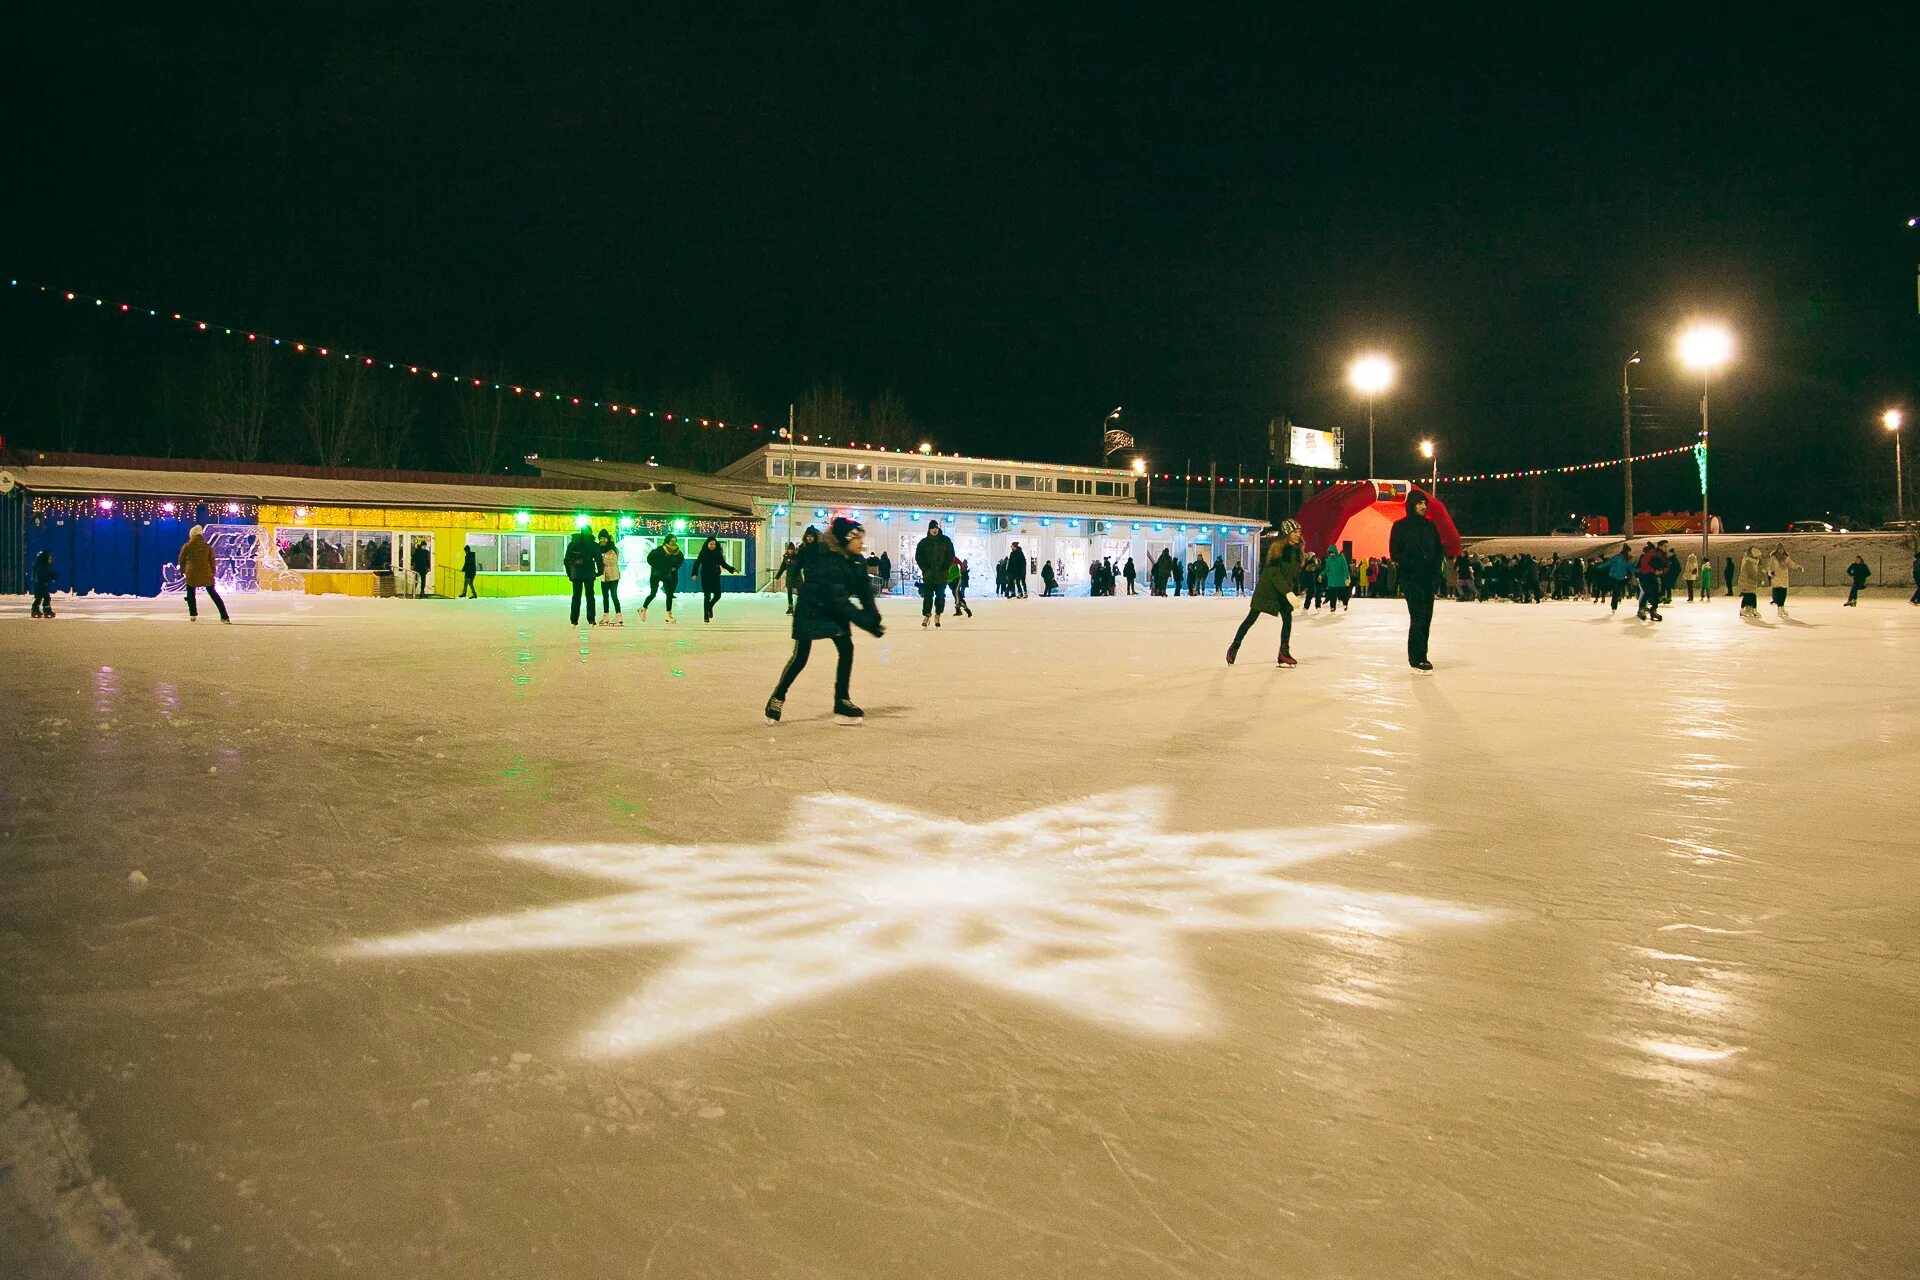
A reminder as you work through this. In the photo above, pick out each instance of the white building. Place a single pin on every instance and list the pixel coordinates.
(1071, 516)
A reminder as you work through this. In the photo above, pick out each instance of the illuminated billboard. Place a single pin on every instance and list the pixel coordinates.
(1309, 448)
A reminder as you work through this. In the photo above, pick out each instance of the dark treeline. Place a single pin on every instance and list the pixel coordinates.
(75, 380)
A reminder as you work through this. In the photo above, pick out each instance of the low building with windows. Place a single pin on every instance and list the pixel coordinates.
(115, 526)
(1071, 516)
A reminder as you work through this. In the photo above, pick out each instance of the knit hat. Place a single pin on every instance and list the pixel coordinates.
(196, 532)
(842, 528)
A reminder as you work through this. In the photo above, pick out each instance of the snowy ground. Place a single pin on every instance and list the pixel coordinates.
(1087, 955)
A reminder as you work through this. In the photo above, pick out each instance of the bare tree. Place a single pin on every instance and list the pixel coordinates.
(238, 403)
(73, 396)
(390, 412)
(480, 427)
(332, 412)
(826, 413)
(887, 422)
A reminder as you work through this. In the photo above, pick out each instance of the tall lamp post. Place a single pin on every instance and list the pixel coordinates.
(1108, 445)
(1626, 436)
(1893, 420)
(1370, 375)
(1705, 349)
(1140, 469)
(1432, 455)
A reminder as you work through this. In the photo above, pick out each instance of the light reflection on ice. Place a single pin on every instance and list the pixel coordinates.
(1075, 906)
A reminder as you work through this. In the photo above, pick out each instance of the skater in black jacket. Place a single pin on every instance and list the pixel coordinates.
(836, 594)
(663, 573)
(709, 565)
(43, 585)
(1416, 548)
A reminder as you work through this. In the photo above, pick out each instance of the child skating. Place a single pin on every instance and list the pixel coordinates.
(43, 585)
(1279, 578)
(836, 594)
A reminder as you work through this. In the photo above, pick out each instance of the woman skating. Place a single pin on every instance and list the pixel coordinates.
(196, 566)
(1779, 570)
(836, 594)
(789, 573)
(1746, 580)
(1278, 579)
(663, 573)
(708, 566)
(609, 582)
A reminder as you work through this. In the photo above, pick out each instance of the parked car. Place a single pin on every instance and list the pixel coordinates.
(1811, 526)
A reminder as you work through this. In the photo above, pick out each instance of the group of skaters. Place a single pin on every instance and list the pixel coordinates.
(591, 561)
(195, 562)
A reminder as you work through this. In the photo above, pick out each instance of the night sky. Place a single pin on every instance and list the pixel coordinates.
(1017, 223)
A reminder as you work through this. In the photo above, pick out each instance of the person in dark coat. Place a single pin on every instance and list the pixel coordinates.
(1129, 575)
(809, 548)
(1279, 578)
(708, 566)
(1652, 571)
(421, 563)
(1240, 578)
(43, 584)
(886, 573)
(789, 573)
(582, 562)
(836, 594)
(663, 574)
(1859, 572)
(1016, 572)
(1049, 585)
(961, 577)
(1416, 548)
(934, 556)
(469, 565)
(1731, 573)
(196, 566)
(1916, 579)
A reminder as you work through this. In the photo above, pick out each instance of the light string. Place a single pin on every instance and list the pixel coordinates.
(1525, 473)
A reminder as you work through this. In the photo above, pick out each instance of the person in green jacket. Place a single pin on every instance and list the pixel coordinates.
(1339, 576)
(1279, 578)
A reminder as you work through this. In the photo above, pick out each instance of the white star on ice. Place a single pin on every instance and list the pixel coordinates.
(1075, 905)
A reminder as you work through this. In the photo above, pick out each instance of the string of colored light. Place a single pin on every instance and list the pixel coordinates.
(328, 351)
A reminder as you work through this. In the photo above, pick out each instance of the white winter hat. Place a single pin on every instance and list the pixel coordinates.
(196, 532)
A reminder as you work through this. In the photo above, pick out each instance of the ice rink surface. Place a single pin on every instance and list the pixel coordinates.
(471, 944)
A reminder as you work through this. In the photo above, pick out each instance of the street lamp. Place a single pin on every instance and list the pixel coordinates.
(1705, 348)
(1626, 436)
(1108, 445)
(1893, 420)
(1140, 469)
(1370, 375)
(1432, 455)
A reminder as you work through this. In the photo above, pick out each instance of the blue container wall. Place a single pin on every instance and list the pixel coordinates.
(113, 555)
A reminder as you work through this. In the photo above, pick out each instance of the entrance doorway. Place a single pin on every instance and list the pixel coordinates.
(410, 545)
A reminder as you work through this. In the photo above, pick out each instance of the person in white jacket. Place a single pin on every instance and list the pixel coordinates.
(610, 583)
(1779, 567)
(1692, 574)
(1746, 580)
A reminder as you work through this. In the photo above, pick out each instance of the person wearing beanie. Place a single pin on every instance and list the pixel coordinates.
(708, 566)
(1415, 547)
(1279, 579)
(934, 555)
(836, 594)
(196, 566)
(663, 573)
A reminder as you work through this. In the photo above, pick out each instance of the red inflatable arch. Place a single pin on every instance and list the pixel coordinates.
(1364, 512)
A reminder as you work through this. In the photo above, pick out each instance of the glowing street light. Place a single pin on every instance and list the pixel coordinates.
(1893, 420)
(1431, 454)
(1140, 469)
(1370, 375)
(1704, 348)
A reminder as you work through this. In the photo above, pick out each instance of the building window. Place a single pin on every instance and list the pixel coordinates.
(486, 551)
(805, 470)
(1075, 486)
(1024, 484)
(1113, 488)
(373, 552)
(897, 475)
(734, 550)
(955, 478)
(779, 470)
(295, 547)
(847, 471)
(992, 480)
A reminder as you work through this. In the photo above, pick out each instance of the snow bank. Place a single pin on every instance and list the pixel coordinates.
(58, 1221)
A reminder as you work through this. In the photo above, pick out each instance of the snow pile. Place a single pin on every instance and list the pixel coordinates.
(57, 1220)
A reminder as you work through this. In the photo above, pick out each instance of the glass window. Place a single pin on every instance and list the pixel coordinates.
(983, 479)
(486, 551)
(516, 553)
(806, 470)
(1113, 488)
(296, 547)
(549, 553)
(909, 475)
(779, 467)
(373, 551)
(332, 549)
(1023, 483)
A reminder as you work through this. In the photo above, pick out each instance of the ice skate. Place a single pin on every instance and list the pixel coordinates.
(936, 622)
(670, 617)
(773, 710)
(1286, 660)
(1422, 665)
(846, 713)
(643, 613)
(925, 620)
(1233, 651)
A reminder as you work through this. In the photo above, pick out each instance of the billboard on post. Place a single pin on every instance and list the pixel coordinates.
(1309, 448)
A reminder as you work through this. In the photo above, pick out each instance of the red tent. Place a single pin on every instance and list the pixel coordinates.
(1364, 512)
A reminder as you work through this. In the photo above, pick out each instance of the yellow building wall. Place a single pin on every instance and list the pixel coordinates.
(449, 530)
